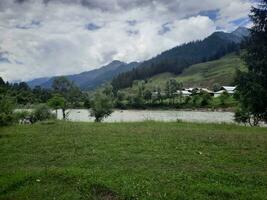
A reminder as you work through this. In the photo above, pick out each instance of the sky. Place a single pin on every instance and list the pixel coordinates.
(43, 38)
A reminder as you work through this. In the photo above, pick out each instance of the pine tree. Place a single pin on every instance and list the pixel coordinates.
(252, 85)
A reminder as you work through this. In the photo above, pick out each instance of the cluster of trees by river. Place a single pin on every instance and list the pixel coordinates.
(65, 95)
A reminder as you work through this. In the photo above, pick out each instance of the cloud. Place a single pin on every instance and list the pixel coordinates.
(59, 37)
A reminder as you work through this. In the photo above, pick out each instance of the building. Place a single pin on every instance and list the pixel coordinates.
(229, 89)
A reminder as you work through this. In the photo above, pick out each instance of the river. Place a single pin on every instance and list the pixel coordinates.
(83, 115)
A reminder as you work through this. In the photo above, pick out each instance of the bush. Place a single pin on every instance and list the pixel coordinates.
(41, 113)
(6, 119)
(101, 106)
(23, 116)
(242, 116)
(6, 111)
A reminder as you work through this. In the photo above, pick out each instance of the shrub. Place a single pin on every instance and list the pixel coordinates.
(6, 119)
(242, 116)
(101, 106)
(41, 113)
(6, 111)
(23, 116)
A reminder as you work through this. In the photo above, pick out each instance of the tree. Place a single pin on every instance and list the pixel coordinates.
(147, 95)
(158, 94)
(121, 96)
(61, 85)
(223, 98)
(66, 89)
(41, 113)
(141, 89)
(2, 82)
(6, 111)
(216, 87)
(58, 102)
(101, 106)
(171, 89)
(205, 98)
(252, 85)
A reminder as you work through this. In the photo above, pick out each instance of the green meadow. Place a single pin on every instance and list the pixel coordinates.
(148, 160)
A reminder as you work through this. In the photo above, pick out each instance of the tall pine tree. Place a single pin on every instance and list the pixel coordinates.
(252, 85)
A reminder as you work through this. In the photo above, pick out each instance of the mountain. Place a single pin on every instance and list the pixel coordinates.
(37, 82)
(236, 36)
(90, 79)
(221, 71)
(176, 60)
(241, 32)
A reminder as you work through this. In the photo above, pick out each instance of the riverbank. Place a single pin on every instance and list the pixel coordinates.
(148, 160)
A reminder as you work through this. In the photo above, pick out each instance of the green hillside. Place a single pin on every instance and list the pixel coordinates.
(206, 74)
(221, 71)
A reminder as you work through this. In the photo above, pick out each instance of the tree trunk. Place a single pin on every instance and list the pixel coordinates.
(64, 113)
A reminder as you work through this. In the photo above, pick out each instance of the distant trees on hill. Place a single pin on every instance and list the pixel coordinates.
(177, 59)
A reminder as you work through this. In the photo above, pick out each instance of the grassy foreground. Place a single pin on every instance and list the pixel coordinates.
(149, 160)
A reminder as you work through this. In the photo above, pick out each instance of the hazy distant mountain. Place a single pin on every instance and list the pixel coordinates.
(241, 32)
(236, 36)
(37, 82)
(90, 79)
(181, 57)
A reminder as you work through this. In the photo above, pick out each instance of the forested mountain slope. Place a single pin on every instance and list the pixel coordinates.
(181, 57)
(221, 71)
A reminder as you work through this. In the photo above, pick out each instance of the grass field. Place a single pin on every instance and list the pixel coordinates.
(149, 160)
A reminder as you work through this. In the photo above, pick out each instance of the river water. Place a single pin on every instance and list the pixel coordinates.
(83, 115)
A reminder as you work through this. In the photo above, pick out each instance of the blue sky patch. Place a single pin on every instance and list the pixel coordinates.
(3, 57)
(33, 24)
(132, 22)
(132, 32)
(92, 27)
(241, 21)
(164, 28)
(212, 14)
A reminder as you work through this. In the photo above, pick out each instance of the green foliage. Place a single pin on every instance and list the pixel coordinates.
(216, 87)
(171, 88)
(67, 89)
(147, 95)
(42, 113)
(252, 85)
(205, 98)
(23, 95)
(101, 107)
(61, 85)
(6, 111)
(242, 116)
(223, 98)
(57, 102)
(2, 82)
(23, 116)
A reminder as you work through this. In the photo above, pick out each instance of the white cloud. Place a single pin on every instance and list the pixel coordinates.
(52, 39)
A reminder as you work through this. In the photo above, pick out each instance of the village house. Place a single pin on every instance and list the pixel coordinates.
(228, 89)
